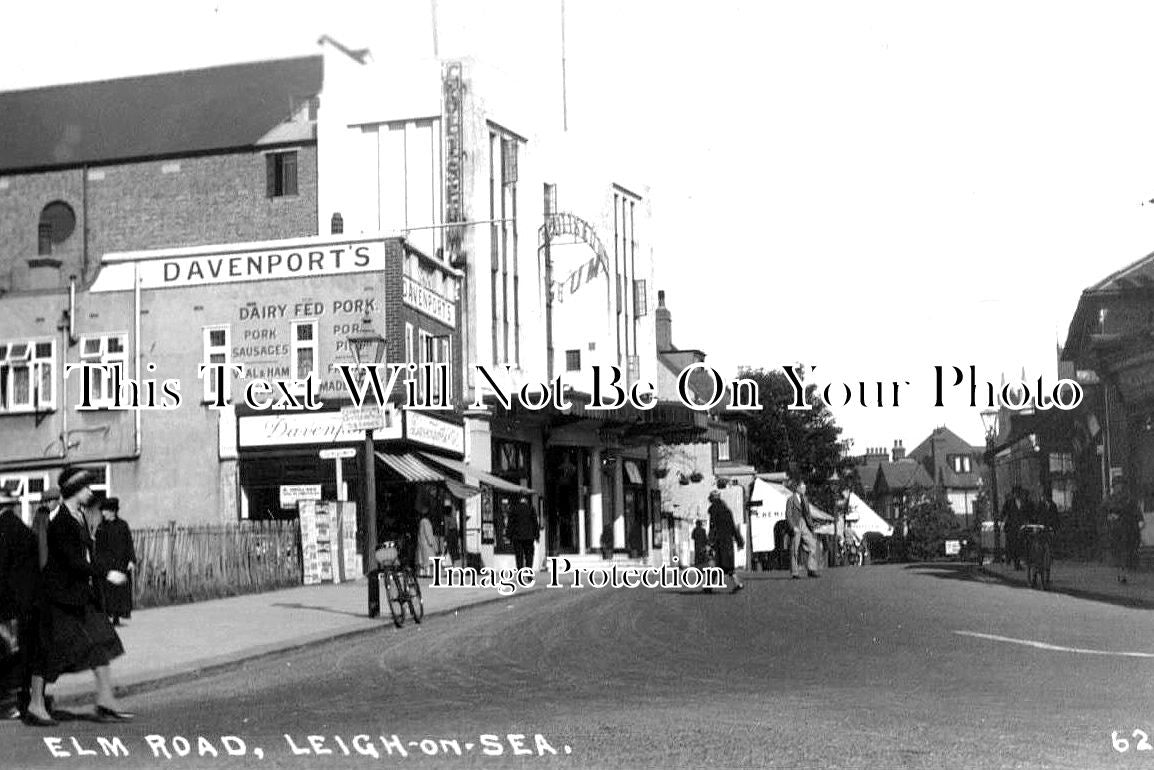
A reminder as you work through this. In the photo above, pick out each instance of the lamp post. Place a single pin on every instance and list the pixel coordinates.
(368, 347)
(990, 423)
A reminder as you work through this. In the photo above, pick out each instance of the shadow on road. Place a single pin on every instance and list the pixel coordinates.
(976, 574)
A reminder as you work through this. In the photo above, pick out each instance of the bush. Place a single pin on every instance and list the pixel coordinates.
(931, 523)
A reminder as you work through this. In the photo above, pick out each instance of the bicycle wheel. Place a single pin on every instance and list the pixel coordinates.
(412, 594)
(394, 593)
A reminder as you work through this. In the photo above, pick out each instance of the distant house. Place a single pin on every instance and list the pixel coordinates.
(888, 482)
(954, 465)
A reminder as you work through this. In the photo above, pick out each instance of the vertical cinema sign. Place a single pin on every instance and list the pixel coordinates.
(453, 122)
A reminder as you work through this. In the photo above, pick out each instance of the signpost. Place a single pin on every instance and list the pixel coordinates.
(338, 454)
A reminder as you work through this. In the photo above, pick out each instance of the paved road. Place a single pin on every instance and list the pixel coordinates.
(863, 668)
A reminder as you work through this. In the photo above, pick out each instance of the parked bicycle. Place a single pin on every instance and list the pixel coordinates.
(400, 585)
(1038, 544)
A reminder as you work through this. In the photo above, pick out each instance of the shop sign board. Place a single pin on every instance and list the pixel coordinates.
(308, 428)
(428, 302)
(290, 494)
(341, 453)
(362, 418)
(424, 429)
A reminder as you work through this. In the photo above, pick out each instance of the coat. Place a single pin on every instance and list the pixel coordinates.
(426, 543)
(69, 575)
(19, 567)
(523, 524)
(113, 550)
(723, 534)
(797, 511)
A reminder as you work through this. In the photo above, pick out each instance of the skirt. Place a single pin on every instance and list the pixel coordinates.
(74, 639)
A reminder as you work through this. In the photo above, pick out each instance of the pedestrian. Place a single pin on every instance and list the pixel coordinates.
(19, 595)
(426, 540)
(1014, 515)
(49, 502)
(801, 525)
(1046, 513)
(1124, 526)
(524, 529)
(723, 534)
(452, 533)
(114, 551)
(75, 633)
(700, 544)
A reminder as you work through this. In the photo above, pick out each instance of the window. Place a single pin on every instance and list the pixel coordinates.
(435, 350)
(281, 171)
(57, 221)
(572, 360)
(216, 351)
(28, 487)
(303, 361)
(409, 359)
(723, 450)
(960, 463)
(107, 350)
(640, 300)
(27, 376)
(1061, 462)
(337, 224)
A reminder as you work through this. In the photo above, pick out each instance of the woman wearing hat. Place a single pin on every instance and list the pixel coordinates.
(19, 592)
(75, 632)
(114, 551)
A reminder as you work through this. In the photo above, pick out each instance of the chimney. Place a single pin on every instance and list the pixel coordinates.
(664, 324)
(899, 451)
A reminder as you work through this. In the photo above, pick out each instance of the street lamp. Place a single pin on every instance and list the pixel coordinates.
(368, 347)
(990, 418)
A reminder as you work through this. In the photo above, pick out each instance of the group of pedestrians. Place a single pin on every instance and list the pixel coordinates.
(1020, 510)
(58, 588)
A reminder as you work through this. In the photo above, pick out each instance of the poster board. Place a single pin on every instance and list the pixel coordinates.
(328, 541)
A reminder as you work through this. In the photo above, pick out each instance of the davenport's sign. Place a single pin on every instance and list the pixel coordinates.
(288, 262)
(428, 302)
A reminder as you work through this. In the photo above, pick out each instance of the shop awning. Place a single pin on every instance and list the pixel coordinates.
(410, 467)
(482, 476)
(460, 490)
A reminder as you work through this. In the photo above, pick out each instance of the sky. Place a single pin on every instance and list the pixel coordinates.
(869, 188)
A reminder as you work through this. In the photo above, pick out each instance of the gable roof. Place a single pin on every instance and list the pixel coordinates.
(948, 443)
(175, 113)
(903, 474)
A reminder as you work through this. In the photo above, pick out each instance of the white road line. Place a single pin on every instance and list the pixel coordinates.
(1055, 647)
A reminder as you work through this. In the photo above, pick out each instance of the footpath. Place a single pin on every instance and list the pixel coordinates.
(165, 645)
(1087, 580)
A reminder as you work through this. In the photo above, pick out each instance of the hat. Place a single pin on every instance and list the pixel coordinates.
(72, 480)
(714, 494)
(110, 504)
(50, 495)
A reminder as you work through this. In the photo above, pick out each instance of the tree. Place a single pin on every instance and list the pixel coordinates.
(930, 522)
(803, 443)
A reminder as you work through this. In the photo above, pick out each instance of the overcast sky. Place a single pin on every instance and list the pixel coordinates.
(874, 188)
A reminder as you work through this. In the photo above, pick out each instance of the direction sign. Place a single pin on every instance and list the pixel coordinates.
(355, 418)
(339, 453)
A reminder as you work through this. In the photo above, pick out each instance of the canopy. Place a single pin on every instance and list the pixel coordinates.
(409, 467)
(482, 476)
(862, 518)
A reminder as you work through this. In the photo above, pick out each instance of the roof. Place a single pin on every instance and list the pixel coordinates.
(176, 113)
(903, 475)
(948, 443)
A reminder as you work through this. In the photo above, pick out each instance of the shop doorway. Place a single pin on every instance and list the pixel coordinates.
(563, 495)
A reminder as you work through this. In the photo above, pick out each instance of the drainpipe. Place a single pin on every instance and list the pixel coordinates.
(136, 343)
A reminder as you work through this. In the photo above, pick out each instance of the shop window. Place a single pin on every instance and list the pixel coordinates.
(216, 351)
(108, 351)
(27, 376)
(57, 222)
(303, 360)
(281, 174)
(572, 360)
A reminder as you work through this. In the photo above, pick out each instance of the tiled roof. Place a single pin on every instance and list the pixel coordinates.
(948, 443)
(177, 113)
(904, 474)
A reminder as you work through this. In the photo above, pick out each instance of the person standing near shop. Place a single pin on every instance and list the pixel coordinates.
(1013, 517)
(723, 534)
(19, 595)
(800, 520)
(426, 540)
(524, 528)
(75, 632)
(114, 551)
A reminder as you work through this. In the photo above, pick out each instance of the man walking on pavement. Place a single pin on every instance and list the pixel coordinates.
(800, 520)
(523, 531)
(723, 533)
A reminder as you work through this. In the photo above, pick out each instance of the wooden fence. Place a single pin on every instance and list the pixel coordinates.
(185, 564)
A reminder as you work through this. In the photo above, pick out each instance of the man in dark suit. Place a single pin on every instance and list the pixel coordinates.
(1014, 515)
(800, 520)
(524, 529)
(19, 594)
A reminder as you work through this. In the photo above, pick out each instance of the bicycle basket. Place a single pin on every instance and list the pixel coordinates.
(387, 554)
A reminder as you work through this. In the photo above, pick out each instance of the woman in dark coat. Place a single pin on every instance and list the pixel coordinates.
(114, 551)
(75, 633)
(723, 534)
(19, 594)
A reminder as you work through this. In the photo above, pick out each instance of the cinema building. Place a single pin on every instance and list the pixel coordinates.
(262, 214)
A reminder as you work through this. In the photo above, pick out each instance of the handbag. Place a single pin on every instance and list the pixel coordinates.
(9, 637)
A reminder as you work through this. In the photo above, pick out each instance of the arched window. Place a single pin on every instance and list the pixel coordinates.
(57, 222)
(338, 224)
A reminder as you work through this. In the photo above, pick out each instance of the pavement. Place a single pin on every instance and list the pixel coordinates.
(166, 645)
(1088, 580)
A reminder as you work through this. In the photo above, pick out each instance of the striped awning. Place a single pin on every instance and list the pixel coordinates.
(460, 490)
(410, 467)
(483, 477)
